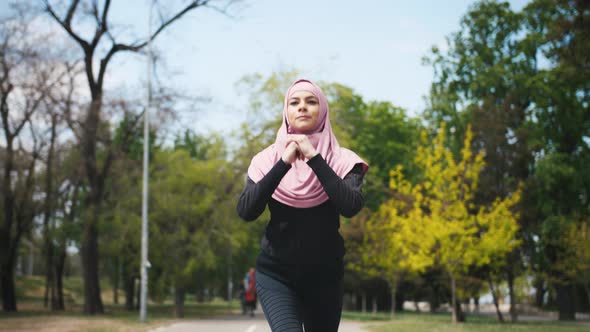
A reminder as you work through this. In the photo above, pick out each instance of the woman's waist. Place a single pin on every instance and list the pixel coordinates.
(292, 269)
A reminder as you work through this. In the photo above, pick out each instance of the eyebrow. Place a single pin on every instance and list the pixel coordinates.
(308, 97)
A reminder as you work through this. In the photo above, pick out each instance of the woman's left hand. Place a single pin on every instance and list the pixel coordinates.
(304, 145)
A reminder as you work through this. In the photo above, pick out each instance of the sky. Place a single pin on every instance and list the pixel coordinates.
(373, 46)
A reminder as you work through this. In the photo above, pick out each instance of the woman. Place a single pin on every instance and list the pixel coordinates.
(308, 181)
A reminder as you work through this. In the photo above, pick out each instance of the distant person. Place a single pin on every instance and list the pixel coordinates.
(308, 181)
(242, 296)
(250, 291)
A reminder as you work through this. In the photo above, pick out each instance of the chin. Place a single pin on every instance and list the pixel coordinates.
(305, 131)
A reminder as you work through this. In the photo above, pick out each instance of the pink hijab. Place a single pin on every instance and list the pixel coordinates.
(300, 187)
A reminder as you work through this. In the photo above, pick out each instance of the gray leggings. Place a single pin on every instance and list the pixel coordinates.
(287, 308)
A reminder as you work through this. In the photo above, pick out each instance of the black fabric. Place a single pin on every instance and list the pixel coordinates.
(287, 306)
(255, 196)
(305, 235)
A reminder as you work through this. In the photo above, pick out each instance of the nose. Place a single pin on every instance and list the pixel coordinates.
(302, 106)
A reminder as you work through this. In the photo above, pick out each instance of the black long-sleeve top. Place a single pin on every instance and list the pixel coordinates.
(303, 235)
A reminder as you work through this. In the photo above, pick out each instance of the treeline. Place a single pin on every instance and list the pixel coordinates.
(487, 189)
(501, 196)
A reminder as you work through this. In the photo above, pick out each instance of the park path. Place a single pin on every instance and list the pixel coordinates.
(240, 323)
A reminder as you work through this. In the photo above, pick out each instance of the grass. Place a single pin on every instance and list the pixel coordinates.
(33, 316)
(406, 322)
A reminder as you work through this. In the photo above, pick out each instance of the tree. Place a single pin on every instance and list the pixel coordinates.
(575, 260)
(440, 224)
(558, 30)
(521, 79)
(190, 217)
(388, 251)
(97, 169)
(26, 78)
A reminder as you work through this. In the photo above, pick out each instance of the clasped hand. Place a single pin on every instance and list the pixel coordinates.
(298, 147)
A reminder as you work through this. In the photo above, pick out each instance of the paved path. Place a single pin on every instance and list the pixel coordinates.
(239, 323)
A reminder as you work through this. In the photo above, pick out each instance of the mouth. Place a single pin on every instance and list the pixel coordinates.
(303, 117)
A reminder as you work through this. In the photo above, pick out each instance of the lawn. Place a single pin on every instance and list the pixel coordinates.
(406, 322)
(33, 316)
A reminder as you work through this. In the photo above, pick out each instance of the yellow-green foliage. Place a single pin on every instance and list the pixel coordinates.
(575, 262)
(436, 222)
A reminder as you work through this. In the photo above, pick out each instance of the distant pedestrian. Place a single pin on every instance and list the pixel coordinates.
(242, 296)
(250, 291)
(308, 181)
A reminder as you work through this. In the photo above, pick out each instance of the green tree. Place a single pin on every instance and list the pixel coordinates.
(440, 224)
(520, 79)
(561, 94)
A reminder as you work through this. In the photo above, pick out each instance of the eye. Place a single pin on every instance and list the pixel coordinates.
(312, 101)
(294, 103)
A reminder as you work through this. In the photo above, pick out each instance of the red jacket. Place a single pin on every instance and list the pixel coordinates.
(251, 287)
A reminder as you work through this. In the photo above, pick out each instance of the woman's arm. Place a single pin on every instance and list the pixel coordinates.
(255, 196)
(346, 194)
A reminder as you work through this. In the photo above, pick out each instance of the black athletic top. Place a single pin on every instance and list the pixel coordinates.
(308, 236)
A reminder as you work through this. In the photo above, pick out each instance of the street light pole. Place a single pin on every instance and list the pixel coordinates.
(144, 207)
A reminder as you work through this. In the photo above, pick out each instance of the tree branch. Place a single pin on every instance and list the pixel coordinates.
(188, 8)
(4, 111)
(71, 11)
(67, 23)
(101, 23)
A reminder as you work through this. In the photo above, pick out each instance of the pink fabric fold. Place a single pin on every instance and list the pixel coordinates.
(300, 187)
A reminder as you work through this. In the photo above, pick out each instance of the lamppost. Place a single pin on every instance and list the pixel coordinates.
(144, 206)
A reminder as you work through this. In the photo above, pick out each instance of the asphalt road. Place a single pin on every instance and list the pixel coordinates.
(239, 323)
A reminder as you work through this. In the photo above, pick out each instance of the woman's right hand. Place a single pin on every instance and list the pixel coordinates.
(290, 154)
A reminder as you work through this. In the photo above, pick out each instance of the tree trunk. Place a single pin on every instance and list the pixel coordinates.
(49, 298)
(512, 295)
(48, 208)
(96, 177)
(47, 285)
(434, 298)
(179, 302)
(374, 305)
(587, 289)
(454, 301)
(364, 302)
(58, 279)
(393, 289)
(495, 298)
(458, 315)
(8, 286)
(129, 293)
(116, 275)
(92, 300)
(565, 302)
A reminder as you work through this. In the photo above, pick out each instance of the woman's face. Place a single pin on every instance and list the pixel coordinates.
(303, 110)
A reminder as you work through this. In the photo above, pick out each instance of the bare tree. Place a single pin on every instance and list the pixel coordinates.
(24, 82)
(97, 171)
(57, 185)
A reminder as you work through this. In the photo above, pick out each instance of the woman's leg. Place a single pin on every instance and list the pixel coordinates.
(280, 304)
(322, 307)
